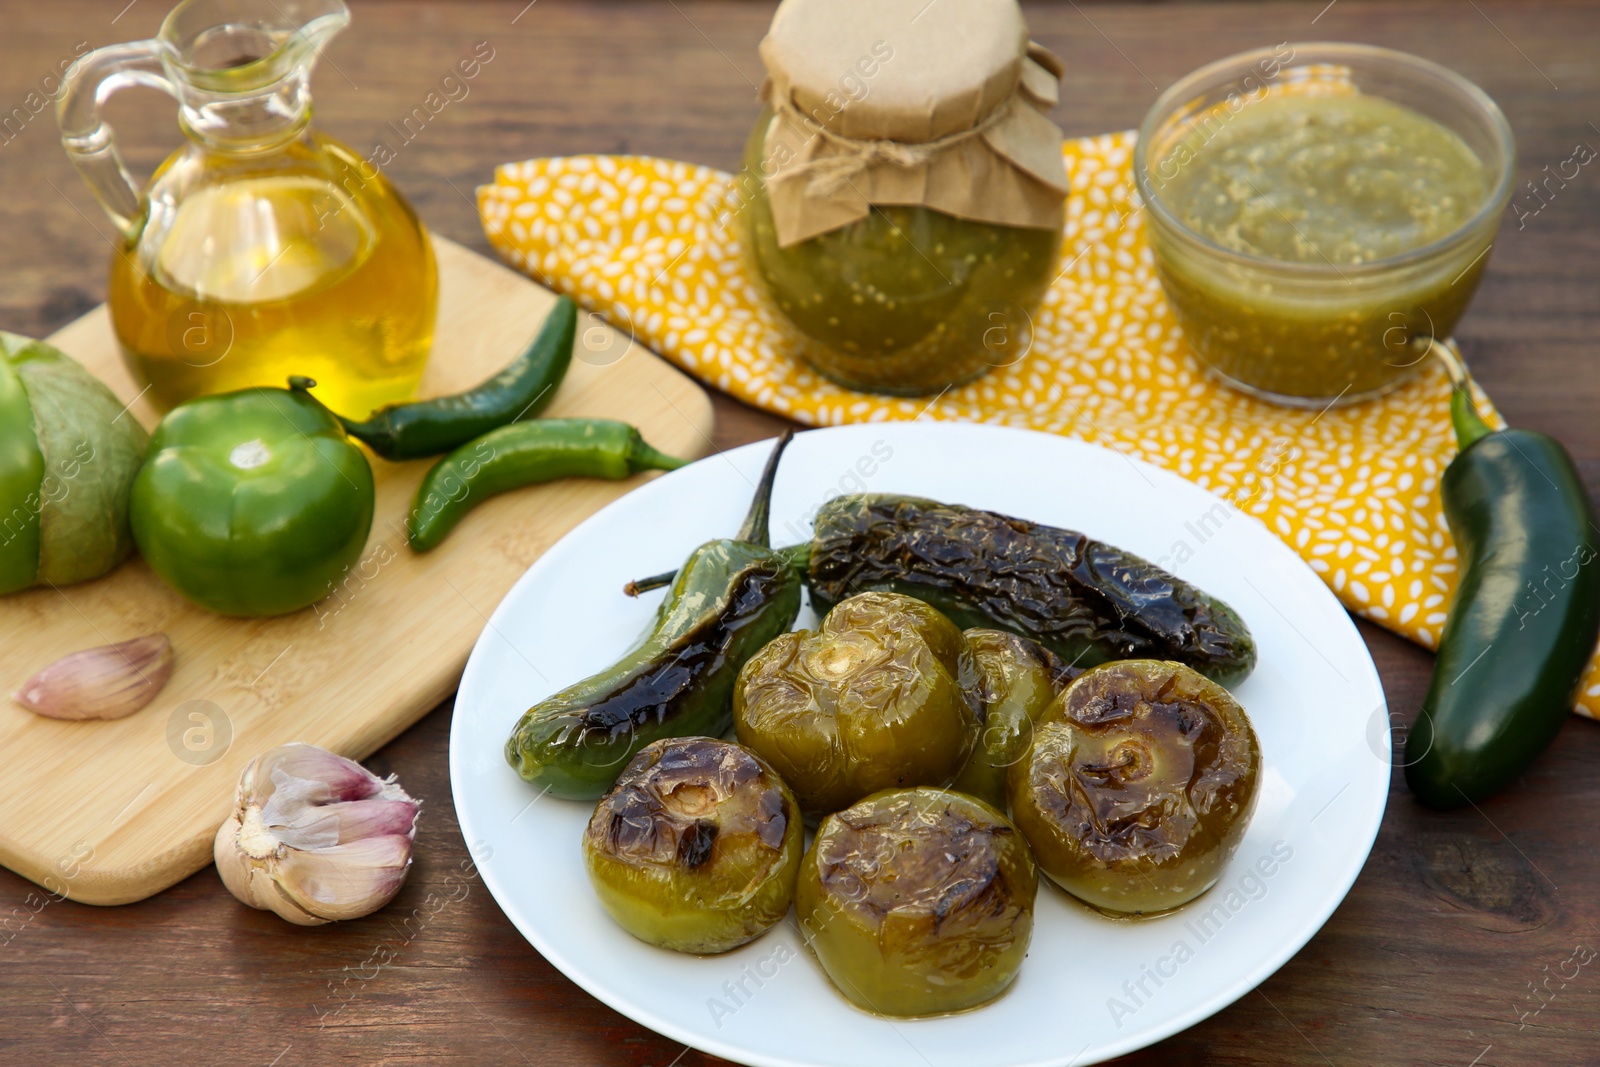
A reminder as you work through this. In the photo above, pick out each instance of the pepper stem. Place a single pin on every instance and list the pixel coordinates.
(361, 431)
(642, 456)
(754, 530)
(796, 556)
(1464, 417)
(1469, 425)
(644, 585)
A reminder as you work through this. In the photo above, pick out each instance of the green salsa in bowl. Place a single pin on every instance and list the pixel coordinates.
(1319, 214)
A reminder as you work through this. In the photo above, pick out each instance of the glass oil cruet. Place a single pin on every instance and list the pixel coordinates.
(260, 248)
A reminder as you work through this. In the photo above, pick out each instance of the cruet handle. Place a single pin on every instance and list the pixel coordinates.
(89, 140)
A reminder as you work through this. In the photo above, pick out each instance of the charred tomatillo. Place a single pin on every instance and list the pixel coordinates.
(252, 503)
(696, 846)
(1138, 785)
(871, 700)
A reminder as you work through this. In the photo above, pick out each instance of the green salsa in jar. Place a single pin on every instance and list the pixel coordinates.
(907, 300)
(1315, 239)
(902, 196)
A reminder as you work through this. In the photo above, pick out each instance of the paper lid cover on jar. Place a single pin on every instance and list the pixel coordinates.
(909, 102)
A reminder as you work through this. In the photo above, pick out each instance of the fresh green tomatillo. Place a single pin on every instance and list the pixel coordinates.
(69, 451)
(252, 503)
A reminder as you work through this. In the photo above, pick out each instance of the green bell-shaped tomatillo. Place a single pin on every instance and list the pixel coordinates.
(252, 503)
(68, 455)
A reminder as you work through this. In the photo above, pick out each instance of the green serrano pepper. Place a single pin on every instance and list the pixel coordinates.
(1526, 615)
(525, 453)
(521, 391)
(729, 599)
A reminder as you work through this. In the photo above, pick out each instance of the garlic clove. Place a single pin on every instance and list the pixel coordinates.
(315, 837)
(347, 881)
(107, 682)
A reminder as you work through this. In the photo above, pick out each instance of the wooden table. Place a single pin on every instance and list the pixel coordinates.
(1451, 946)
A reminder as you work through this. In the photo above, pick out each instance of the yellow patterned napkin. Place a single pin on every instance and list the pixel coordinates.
(1354, 490)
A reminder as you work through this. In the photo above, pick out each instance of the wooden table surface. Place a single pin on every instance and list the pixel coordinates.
(1456, 945)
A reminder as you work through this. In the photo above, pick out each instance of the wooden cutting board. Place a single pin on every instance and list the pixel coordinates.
(112, 812)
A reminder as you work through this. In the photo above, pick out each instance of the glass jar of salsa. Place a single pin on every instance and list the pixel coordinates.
(1319, 214)
(907, 251)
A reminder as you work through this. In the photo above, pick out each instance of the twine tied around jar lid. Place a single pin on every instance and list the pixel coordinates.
(913, 103)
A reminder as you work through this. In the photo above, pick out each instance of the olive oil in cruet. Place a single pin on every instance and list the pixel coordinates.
(260, 249)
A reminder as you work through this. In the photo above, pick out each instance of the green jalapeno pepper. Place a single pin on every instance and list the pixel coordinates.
(1084, 600)
(729, 599)
(1526, 614)
(525, 453)
(521, 391)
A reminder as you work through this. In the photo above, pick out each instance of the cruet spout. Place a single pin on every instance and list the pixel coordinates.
(239, 69)
(251, 42)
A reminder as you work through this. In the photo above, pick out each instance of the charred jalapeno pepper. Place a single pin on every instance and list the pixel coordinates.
(1012, 682)
(521, 454)
(520, 391)
(1526, 615)
(1084, 600)
(918, 901)
(731, 597)
(696, 847)
(1138, 786)
(870, 700)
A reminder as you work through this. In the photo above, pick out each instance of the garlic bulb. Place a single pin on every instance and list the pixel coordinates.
(106, 682)
(315, 837)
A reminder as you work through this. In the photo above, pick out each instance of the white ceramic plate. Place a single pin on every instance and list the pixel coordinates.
(1091, 988)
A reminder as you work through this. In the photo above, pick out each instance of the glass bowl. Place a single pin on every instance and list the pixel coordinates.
(1313, 334)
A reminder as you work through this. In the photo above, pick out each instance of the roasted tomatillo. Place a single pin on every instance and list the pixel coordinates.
(1138, 786)
(696, 846)
(918, 901)
(872, 700)
(252, 503)
(1012, 682)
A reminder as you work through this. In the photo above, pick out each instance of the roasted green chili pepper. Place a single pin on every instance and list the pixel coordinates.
(521, 391)
(730, 597)
(525, 453)
(1526, 614)
(1084, 600)
(918, 901)
(696, 847)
